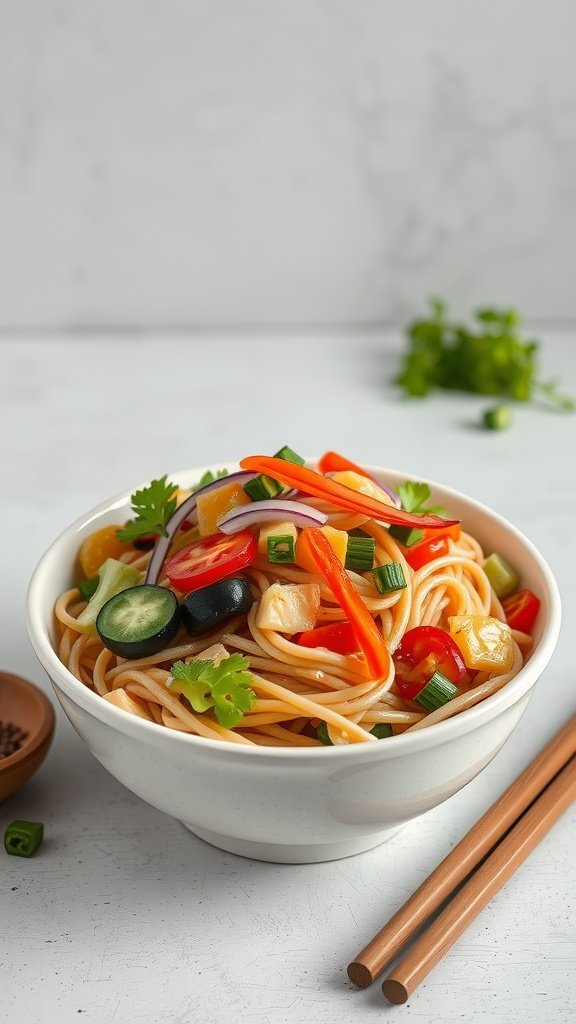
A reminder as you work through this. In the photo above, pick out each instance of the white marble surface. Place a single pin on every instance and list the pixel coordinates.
(124, 916)
(241, 161)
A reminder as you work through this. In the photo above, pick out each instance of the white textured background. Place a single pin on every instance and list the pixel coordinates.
(248, 161)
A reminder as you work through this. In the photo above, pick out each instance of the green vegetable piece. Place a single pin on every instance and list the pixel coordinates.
(487, 357)
(382, 731)
(497, 418)
(113, 576)
(208, 478)
(281, 548)
(22, 838)
(225, 687)
(388, 578)
(262, 487)
(360, 554)
(88, 588)
(407, 535)
(503, 578)
(413, 495)
(437, 692)
(322, 734)
(289, 455)
(152, 506)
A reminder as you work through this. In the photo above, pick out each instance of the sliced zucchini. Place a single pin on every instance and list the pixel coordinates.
(212, 606)
(139, 622)
(113, 577)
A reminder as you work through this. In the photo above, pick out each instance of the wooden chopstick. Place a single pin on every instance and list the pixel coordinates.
(481, 886)
(464, 858)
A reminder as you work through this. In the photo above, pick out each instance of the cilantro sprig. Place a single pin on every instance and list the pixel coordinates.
(152, 507)
(414, 495)
(489, 356)
(225, 687)
(207, 478)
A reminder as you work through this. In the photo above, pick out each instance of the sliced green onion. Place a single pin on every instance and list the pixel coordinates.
(503, 578)
(498, 418)
(322, 734)
(88, 587)
(262, 487)
(360, 553)
(22, 838)
(382, 731)
(407, 535)
(289, 455)
(388, 578)
(358, 533)
(437, 692)
(281, 548)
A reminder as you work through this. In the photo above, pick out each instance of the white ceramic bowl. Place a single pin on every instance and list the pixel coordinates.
(301, 805)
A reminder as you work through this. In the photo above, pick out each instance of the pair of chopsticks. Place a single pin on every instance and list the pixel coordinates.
(489, 854)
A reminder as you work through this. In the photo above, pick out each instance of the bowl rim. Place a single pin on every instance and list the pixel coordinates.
(34, 740)
(404, 743)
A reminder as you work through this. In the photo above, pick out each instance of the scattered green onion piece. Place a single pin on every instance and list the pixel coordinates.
(262, 487)
(289, 455)
(88, 587)
(388, 578)
(503, 578)
(22, 838)
(407, 535)
(498, 418)
(322, 734)
(360, 554)
(358, 533)
(437, 692)
(382, 731)
(281, 548)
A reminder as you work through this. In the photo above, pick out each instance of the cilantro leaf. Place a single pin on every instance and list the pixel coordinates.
(224, 687)
(152, 507)
(414, 494)
(207, 478)
(488, 356)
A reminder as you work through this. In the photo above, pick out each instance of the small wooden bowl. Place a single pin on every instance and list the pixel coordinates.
(26, 706)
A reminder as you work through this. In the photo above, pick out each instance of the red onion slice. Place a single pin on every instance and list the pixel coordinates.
(267, 511)
(183, 512)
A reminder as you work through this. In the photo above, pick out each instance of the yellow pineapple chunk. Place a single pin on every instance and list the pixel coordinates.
(213, 505)
(363, 485)
(485, 643)
(289, 607)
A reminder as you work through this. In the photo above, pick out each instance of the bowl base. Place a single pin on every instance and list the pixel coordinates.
(283, 853)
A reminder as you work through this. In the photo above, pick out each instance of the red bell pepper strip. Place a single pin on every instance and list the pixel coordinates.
(333, 462)
(335, 636)
(426, 552)
(319, 486)
(521, 610)
(334, 574)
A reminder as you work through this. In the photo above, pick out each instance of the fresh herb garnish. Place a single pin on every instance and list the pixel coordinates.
(488, 357)
(414, 495)
(224, 687)
(208, 478)
(152, 506)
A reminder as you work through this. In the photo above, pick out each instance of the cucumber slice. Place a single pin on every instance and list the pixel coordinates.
(113, 577)
(139, 621)
(211, 606)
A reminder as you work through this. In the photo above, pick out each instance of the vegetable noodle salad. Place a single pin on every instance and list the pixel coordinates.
(285, 606)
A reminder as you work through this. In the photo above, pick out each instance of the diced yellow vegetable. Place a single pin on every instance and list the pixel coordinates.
(485, 643)
(274, 530)
(99, 546)
(215, 653)
(363, 484)
(289, 607)
(213, 505)
(181, 495)
(338, 541)
(128, 703)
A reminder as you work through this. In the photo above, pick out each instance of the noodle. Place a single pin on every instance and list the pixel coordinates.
(298, 687)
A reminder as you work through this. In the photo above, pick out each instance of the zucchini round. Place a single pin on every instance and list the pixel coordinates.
(139, 621)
